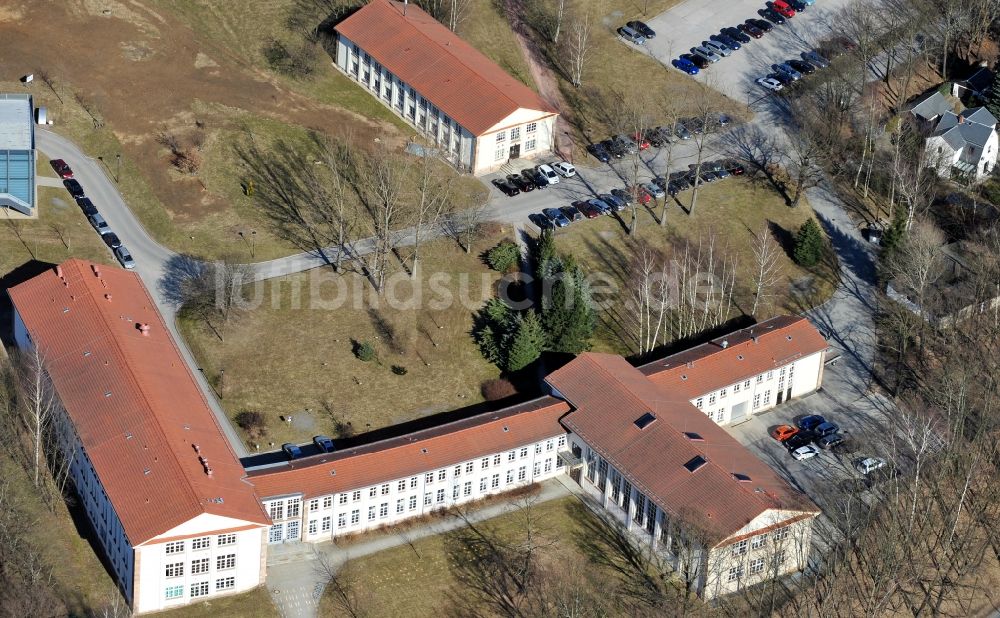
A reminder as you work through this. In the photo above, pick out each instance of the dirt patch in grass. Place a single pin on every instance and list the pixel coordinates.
(294, 353)
(734, 210)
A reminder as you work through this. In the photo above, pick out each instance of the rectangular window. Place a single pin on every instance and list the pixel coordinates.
(442, 475)
(199, 566)
(515, 133)
(327, 502)
(371, 512)
(276, 533)
(293, 507)
(780, 534)
(355, 495)
(758, 541)
(699, 403)
(385, 489)
(529, 145)
(756, 401)
(746, 384)
(501, 136)
(341, 520)
(175, 548)
(313, 527)
(293, 531)
(495, 481)
(510, 476)
(735, 573)
(501, 153)
(225, 562)
(511, 456)
(740, 548)
(429, 478)
(522, 473)
(467, 488)
(401, 486)
(767, 396)
(199, 589)
(482, 484)
(530, 127)
(428, 498)
(174, 592)
(469, 467)
(458, 471)
(226, 539)
(722, 393)
(711, 399)
(413, 482)
(561, 442)
(314, 504)
(537, 469)
(756, 566)
(524, 451)
(202, 543)
(538, 448)
(454, 492)
(779, 558)
(736, 387)
(770, 375)
(372, 491)
(355, 517)
(486, 462)
(440, 496)
(401, 505)
(175, 569)
(548, 465)
(760, 379)
(226, 583)
(496, 460)
(413, 503)
(383, 510)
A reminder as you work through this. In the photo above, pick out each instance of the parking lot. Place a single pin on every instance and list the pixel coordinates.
(693, 21)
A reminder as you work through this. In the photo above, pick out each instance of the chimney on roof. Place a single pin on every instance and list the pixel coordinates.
(107, 297)
(725, 344)
(143, 328)
(59, 272)
(96, 269)
(961, 119)
(405, 3)
(197, 449)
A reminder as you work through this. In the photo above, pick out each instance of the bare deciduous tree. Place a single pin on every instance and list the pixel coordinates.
(383, 178)
(767, 266)
(37, 403)
(577, 47)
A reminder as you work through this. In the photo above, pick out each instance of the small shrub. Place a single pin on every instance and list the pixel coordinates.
(496, 389)
(253, 423)
(504, 256)
(808, 244)
(399, 370)
(365, 351)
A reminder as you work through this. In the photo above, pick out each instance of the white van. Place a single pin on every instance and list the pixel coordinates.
(549, 173)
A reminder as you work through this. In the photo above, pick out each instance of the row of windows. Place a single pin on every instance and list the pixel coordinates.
(515, 133)
(200, 565)
(756, 566)
(722, 393)
(221, 540)
(740, 548)
(200, 589)
(284, 508)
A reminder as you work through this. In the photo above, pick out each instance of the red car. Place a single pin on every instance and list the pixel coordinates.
(640, 141)
(61, 168)
(784, 432)
(589, 210)
(641, 195)
(782, 7)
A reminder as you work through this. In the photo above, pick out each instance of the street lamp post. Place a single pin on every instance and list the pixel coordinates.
(253, 242)
(118, 167)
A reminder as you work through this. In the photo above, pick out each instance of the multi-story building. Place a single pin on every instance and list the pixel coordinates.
(165, 494)
(180, 519)
(461, 101)
(17, 153)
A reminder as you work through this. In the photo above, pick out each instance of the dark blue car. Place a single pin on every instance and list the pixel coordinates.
(826, 429)
(683, 64)
(726, 40)
(811, 422)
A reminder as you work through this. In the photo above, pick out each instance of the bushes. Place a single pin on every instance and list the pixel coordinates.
(504, 257)
(496, 389)
(298, 62)
(253, 423)
(364, 350)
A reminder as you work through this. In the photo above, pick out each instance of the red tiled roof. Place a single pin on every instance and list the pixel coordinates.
(454, 76)
(136, 407)
(414, 453)
(608, 395)
(710, 366)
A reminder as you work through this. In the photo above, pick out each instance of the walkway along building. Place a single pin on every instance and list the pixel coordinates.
(181, 520)
(457, 98)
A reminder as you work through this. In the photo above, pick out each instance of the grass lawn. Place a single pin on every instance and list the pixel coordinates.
(254, 604)
(294, 355)
(414, 579)
(734, 210)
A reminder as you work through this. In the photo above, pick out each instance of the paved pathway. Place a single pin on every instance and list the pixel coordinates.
(296, 572)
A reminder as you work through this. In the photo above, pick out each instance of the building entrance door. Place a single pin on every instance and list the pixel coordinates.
(781, 396)
(515, 151)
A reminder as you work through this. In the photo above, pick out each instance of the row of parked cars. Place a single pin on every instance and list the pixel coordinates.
(636, 32)
(532, 178)
(621, 145)
(93, 215)
(788, 72)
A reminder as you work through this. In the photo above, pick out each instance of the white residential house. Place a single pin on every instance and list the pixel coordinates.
(964, 142)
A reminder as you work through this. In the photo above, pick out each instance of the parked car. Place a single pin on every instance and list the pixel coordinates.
(292, 451)
(642, 29)
(737, 34)
(62, 169)
(556, 216)
(782, 7)
(685, 65)
(654, 137)
(782, 78)
(540, 220)
(772, 16)
(589, 210)
(572, 213)
(523, 185)
(627, 145)
(869, 464)
(681, 180)
(528, 175)
(616, 203)
(718, 48)
(750, 29)
(86, 206)
(808, 423)
(99, 224)
(825, 429)
(709, 176)
(505, 187)
(726, 40)
(802, 67)
(831, 441)
(805, 452)
(761, 24)
(681, 131)
(124, 257)
(783, 432)
(734, 167)
(784, 69)
(111, 240)
(697, 61)
(74, 187)
(617, 150)
(707, 54)
(653, 190)
(566, 170)
(601, 205)
(549, 173)
(722, 173)
(798, 5)
(800, 439)
(599, 152)
(814, 58)
(694, 125)
(770, 83)
(640, 141)
(631, 35)
(640, 194)
(323, 443)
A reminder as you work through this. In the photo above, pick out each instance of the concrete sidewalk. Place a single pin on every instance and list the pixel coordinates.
(296, 575)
